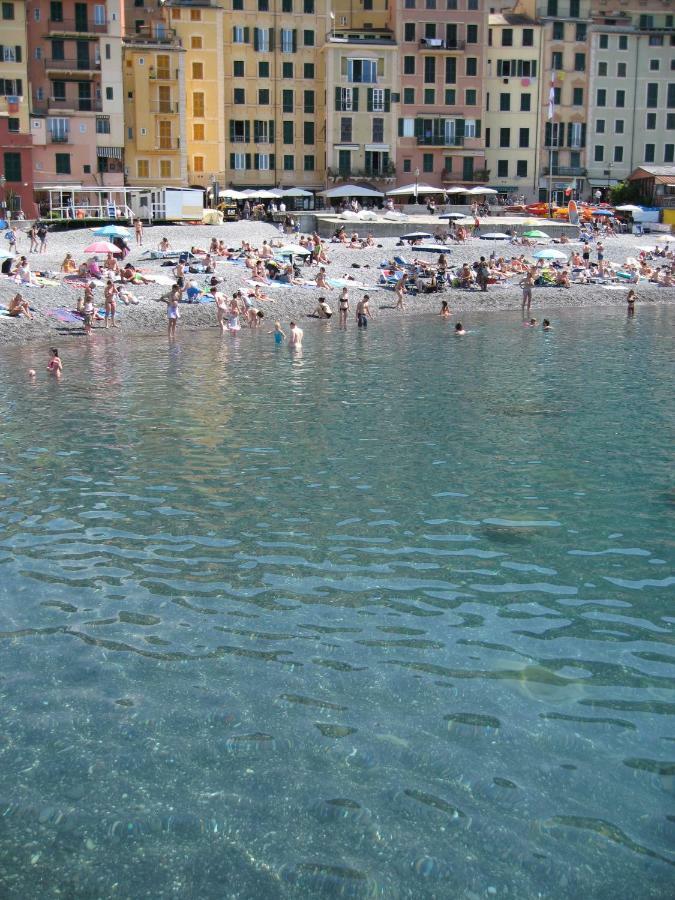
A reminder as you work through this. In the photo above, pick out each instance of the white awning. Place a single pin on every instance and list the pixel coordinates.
(378, 148)
(109, 152)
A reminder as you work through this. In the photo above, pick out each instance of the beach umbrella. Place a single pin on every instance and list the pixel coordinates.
(602, 212)
(452, 216)
(416, 236)
(535, 233)
(350, 190)
(477, 191)
(415, 189)
(296, 192)
(456, 190)
(549, 253)
(111, 231)
(495, 236)
(293, 250)
(431, 248)
(101, 247)
(629, 207)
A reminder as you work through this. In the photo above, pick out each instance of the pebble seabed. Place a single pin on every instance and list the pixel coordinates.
(296, 302)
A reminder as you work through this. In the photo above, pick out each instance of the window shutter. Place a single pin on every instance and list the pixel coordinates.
(355, 99)
(19, 89)
(2, 58)
(338, 99)
(459, 129)
(247, 35)
(270, 130)
(534, 68)
(583, 135)
(419, 128)
(17, 53)
(477, 128)
(231, 131)
(247, 161)
(569, 134)
(231, 158)
(547, 134)
(234, 33)
(256, 131)
(256, 160)
(256, 42)
(272, 161)
(247, 132)
(369, 100)
(295, 40)
(400, 127)
(387, 100)
(272, 36)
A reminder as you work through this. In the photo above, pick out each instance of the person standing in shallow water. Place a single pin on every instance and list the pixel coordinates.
(630, 303)
(527, 284)
(55, 366)
(363, 312)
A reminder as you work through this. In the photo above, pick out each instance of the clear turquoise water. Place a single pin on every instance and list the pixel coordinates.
(390, 619)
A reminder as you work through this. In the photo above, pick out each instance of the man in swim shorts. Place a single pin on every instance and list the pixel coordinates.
(363, 312)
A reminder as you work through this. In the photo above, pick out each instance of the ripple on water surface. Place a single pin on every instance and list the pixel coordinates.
(365, 622)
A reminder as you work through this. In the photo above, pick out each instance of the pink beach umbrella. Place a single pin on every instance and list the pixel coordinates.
(102, 247)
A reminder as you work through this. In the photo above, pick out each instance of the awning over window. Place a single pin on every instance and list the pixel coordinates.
(110, 152)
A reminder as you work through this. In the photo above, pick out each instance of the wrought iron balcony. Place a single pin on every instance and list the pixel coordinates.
(440, 44)
(440, 140)
(144, 34)
(165, 107)
(565, 171)
(59, 137)
(73, 65)
(72, 26)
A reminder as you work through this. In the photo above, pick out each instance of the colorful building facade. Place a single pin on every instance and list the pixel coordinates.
(16, 190)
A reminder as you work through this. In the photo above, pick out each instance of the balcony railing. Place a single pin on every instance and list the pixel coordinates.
(565, 171)
(73, 65)
(165, 107)
(441, 44)
(164, 143)
(59, 137)
(68, 104)
(145, 35)
(162, 74)
(440, 140)
(72, 26)
(480, 176)
(344, 174)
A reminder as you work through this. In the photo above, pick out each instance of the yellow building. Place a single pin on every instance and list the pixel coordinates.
(15, 140)
(274, 93)
(155, 114)
(513, 108)
(361, 60)
(199, 28)
(14, 66)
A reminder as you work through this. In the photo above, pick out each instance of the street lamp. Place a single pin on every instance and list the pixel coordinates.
(417, 178)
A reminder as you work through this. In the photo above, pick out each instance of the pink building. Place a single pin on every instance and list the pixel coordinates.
(75, 74)
(440, 134)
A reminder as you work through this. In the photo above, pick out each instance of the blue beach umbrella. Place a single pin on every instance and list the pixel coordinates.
(602, 212)
(111, 231)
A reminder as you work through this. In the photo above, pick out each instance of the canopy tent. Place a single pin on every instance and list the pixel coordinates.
(456, 190)
(349, 190)
(629, 207)
(233, 195)
(478, 191)
(415, 189)
(295, 192)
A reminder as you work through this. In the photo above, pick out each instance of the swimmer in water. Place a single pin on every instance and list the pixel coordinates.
(32, 373)
(459, 329)
(445, 309)
(55, 366)
(279, 336)
(546, 325)
(295, 339)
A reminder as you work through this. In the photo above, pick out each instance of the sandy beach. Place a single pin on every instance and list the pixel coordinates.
(49, 301)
